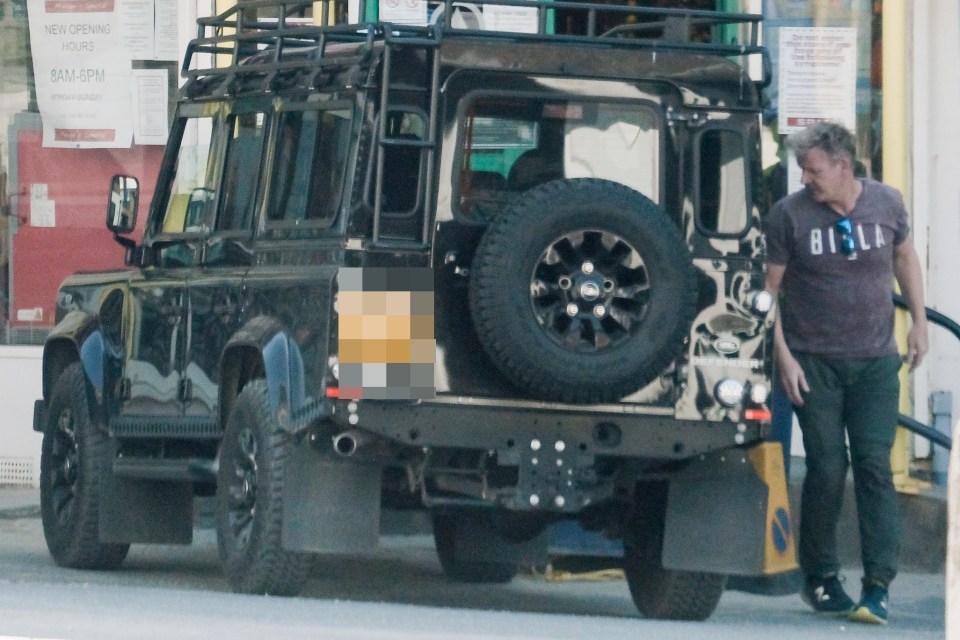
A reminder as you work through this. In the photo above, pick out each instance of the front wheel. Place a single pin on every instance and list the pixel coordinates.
(661, 593)
(249, 501)
(75, 455)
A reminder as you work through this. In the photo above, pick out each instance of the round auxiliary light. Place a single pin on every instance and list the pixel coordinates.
(759, 393)
(728, 392)
(762, 302)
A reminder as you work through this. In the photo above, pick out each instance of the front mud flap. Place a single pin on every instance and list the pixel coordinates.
(727, 512)
(330, 504)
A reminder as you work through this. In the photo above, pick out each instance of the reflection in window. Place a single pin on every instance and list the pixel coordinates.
(240, 172)
(190, 201)
(722, 182)
(309, 167)
(514, 144)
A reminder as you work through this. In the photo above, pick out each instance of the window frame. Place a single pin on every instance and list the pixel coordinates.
(728, 127)
(267, 227)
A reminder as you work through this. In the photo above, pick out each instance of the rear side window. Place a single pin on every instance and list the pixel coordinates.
(241, 172)
(309, 166)
(722, 182)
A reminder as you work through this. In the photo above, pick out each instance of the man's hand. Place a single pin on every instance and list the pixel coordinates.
(792, 378)
(917, 345)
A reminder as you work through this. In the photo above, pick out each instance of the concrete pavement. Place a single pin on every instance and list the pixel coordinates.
(923, 518)
(19, 502)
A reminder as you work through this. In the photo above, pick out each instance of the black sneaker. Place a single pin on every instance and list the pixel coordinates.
(872, 608)
(826, 595)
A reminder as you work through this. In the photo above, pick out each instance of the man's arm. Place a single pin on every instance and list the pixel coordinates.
(791, 374)
(906, 269)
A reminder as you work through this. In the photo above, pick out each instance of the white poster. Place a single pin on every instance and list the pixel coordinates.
(509, 18)
(818, 77)
(404, 11)
(135, 21)
(165, 37)
(150, 106)
(82, 74)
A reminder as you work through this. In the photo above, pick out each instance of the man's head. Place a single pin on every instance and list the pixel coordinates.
(826, 152)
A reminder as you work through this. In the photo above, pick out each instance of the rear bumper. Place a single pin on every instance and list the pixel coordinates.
(519, 426)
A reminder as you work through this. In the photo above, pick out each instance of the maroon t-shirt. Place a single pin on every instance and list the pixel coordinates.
(836, 304)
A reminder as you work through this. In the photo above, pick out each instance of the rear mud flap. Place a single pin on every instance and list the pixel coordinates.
(728, 513)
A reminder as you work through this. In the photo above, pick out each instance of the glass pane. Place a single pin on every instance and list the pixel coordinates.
(723, 182)
(309, 166)
(514, 144)
(401, 164)
(190, 202)
(619, 142)
(242, 169)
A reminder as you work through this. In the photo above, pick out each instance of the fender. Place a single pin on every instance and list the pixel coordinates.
(283, 370)
(76, 337)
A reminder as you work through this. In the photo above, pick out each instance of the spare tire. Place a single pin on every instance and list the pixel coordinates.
(583, 291)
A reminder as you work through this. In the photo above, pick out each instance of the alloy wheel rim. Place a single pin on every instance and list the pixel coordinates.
(590, 291)
(243, 488)
(64, 466)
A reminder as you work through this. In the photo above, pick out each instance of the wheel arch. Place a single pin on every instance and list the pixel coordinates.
(76, 338)
(262, 349)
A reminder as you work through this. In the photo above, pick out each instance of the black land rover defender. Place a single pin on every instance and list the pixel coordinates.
(510, 277)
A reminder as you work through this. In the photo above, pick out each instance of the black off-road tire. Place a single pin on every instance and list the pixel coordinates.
(75, 455)
(249, 501)
(582, 291)
(448, 526)
(659, 593)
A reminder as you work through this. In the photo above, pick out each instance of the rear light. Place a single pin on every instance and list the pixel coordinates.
(333, 392)
(758, 415)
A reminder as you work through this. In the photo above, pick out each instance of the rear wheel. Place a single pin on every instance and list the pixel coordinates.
(450, 531)
(657, 592)
(249, 502)
(74, 457)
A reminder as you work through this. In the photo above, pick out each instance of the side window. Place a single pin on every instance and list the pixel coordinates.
(402, 164)
(722, 182)
(309, 167)
(191, 196)
(401, 196)
(241, 171)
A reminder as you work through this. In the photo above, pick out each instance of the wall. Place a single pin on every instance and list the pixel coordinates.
(935, 159)
(19, 387)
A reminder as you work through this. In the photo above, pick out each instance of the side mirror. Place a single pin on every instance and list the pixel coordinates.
(122, 208)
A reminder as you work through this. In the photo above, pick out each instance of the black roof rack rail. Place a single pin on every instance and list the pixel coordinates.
(271, 39)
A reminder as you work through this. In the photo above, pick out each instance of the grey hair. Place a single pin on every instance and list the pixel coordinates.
(831, 138)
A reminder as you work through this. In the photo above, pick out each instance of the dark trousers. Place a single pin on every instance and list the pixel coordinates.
(859, 399)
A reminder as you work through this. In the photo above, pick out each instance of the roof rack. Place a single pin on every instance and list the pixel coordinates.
(277, 39)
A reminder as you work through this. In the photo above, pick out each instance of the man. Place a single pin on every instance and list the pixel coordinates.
(834, 248)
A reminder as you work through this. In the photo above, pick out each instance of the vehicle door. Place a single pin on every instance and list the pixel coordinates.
(152, 388)
(215, 295)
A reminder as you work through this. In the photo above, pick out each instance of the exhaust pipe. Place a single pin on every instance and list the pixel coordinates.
(346, 444)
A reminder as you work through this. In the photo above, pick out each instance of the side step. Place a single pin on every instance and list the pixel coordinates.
(179, 469)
